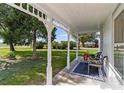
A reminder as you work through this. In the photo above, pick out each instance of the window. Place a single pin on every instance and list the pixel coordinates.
(119, 37)
(119, 44)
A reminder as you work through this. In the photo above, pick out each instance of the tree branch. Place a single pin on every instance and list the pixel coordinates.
(3, 27)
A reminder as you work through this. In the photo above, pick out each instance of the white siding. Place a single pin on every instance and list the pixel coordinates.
(108, 41)
(108, 35)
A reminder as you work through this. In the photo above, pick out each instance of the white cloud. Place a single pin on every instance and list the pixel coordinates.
(63, 35)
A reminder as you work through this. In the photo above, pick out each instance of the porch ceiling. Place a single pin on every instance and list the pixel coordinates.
(79, 17)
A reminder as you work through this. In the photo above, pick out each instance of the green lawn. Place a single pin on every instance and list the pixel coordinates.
(34, 72)
(3, 45)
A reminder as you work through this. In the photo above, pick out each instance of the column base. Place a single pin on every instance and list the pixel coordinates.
(68, 67)
(49, 75)
(76, 58)
(68, 63)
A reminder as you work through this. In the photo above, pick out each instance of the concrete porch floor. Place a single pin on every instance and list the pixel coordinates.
(64, 77)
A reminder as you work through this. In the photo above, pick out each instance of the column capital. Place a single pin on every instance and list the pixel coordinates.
(49, 26)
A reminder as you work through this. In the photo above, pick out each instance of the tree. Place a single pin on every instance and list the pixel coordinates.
(55, 45)
(72, 44)
(39, 45)
(63, 45)
(20, 28)
(87, 37)
(38, 31)
(12, 25)
(44, 34)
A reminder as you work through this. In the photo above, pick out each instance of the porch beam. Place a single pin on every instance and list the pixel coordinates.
(27, 11)
(68, 52)
(54, 21)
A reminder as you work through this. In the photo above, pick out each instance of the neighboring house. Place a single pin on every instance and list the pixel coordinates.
(89, 44)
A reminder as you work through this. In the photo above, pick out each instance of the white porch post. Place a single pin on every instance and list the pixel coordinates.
(101, 39)
(49, 67)
(77, 42)
(49, 55)
(99, 44)
(68, 52)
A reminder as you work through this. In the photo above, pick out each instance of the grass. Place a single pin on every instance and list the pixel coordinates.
(3, 45)
(29, 72)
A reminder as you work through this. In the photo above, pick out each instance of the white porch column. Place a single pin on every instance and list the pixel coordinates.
(68, 52)
(101, 40)
(99, 44)
(77, 42)
(49, 67)
(49, 55)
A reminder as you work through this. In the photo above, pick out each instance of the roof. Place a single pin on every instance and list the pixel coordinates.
(80, 17)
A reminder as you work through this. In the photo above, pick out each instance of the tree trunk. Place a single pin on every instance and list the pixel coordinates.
(34, 44)
(10, 38)
(11, 46)
(82, 44)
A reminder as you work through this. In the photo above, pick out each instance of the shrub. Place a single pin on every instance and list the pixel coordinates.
(63, 44)
(39, 45)
(11, 55)
(59, 46)
(72, 44)
(55, 45)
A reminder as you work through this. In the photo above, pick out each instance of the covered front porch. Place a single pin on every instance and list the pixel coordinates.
(77, 19)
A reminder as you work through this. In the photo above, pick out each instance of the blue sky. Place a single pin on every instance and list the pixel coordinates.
(61, 35)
